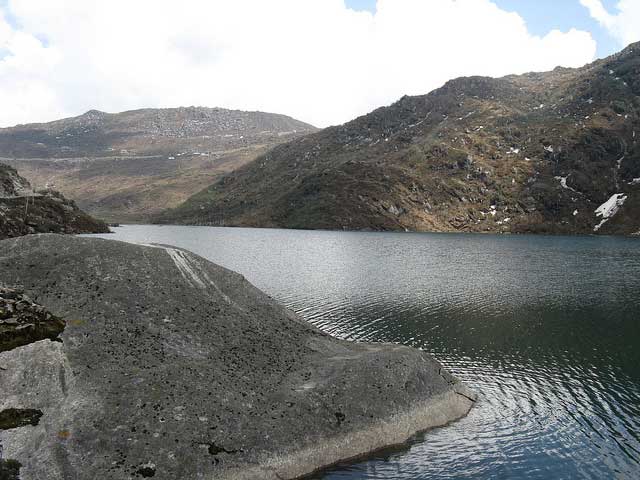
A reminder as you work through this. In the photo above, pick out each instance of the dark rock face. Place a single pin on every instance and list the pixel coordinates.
(19, 417)
(23, 211)
(538, 153)
(9, 470)
(173, 367)
(23, 322)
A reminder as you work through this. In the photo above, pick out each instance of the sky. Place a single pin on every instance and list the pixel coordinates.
(321, 61)
(542, 16)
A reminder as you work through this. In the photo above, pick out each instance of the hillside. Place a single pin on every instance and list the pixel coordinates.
(126, 166)
(24, 211)
(552, 152)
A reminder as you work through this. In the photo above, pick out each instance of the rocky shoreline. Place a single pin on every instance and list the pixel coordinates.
(169, 366)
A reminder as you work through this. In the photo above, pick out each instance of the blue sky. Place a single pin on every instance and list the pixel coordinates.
(542, 16)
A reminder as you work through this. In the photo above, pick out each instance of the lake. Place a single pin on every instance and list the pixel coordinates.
(545, 329)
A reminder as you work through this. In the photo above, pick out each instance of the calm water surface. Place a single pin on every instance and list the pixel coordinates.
(546, 329)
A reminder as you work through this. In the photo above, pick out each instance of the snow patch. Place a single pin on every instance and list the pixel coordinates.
(563, 183)
(467, 115)
(609, 208)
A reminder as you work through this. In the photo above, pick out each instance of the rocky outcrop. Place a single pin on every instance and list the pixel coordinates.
(173, 367)
(13, 185)
(24, 211)
(23, 322)
(534, 153)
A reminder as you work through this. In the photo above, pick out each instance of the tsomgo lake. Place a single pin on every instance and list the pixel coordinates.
(545, 329)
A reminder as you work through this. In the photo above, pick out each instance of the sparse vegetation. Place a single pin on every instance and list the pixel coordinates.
(531, 153)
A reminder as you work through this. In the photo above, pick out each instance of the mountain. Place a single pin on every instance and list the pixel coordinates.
(24, 211)
(552, 152)
(126, 166)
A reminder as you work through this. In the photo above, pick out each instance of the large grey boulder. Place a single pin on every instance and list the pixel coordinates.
(173, 367)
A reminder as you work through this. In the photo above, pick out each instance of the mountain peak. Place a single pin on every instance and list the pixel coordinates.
(93, 114)
(124, 166)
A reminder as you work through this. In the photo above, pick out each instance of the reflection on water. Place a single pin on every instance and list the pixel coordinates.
(546, 329)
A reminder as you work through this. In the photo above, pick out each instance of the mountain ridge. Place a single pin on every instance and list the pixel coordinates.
(126, 166)
(155, 123)
(538, 152)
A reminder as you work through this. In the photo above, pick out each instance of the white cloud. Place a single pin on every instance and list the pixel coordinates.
(315, 60)
(624, 26)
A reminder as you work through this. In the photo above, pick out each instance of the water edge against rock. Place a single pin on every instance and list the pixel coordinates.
(175, 367)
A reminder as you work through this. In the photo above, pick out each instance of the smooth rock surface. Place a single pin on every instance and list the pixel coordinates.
(173, 367)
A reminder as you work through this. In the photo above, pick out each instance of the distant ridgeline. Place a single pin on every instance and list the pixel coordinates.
(127, 166)
(24, 211)
(553, 152)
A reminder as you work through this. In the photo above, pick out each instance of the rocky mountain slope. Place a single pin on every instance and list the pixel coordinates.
(149, 361)
(125, 166)
(24, 211)
(549, 152)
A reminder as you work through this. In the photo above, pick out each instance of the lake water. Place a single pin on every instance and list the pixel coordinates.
(545, 329)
